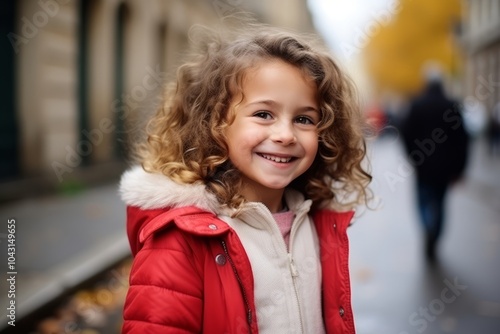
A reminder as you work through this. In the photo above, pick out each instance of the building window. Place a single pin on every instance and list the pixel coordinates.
(9, 149)
(122, 23)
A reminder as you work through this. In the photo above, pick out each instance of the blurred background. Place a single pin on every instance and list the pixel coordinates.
(78, 79)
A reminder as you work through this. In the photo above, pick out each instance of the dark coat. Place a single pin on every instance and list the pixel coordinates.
(434, 137)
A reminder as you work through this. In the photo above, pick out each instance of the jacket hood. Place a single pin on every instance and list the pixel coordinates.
(153, 200)
(153, 191)
(150, 191)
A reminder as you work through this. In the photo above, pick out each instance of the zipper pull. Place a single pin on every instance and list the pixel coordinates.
(293, 269)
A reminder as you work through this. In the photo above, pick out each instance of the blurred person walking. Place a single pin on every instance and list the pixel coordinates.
(437, 145)
(494, 131)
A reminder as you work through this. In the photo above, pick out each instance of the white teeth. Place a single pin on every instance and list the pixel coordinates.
(276, 159)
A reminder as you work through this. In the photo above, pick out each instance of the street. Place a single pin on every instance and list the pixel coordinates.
(394, 290)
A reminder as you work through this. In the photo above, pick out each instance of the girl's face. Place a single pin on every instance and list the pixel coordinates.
(274, 137)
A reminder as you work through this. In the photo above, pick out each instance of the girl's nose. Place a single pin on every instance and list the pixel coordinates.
(283, 133)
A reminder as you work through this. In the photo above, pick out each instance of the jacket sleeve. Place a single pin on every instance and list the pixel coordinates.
(165, 293)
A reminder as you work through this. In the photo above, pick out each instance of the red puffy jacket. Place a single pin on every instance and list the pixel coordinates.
(191, 274)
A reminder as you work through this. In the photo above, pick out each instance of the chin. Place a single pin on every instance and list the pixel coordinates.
(277, 186)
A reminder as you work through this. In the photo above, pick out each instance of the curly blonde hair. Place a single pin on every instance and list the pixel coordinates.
(185, 138)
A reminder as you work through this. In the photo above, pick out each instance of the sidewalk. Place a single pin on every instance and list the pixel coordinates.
(483, 174)
(61, 241)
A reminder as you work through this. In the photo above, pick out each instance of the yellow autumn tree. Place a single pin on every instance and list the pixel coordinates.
(420, 31)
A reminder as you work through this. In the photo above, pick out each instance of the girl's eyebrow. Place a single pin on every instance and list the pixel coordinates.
(272, 103)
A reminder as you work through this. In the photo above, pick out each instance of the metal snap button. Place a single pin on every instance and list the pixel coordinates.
(212, 226)
(341, 311)
(220, 259)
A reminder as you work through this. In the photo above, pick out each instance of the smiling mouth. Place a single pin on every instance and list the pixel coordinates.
(276, 159)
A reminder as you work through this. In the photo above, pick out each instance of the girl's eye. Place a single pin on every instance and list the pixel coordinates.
(263, 114)
(304, 120)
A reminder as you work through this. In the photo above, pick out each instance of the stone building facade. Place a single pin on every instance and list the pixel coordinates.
(481, 43)
(78, 75)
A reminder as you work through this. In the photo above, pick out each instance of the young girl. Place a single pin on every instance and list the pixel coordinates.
(230, 216)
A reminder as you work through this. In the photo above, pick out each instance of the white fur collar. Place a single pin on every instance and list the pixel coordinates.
(155, 191)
